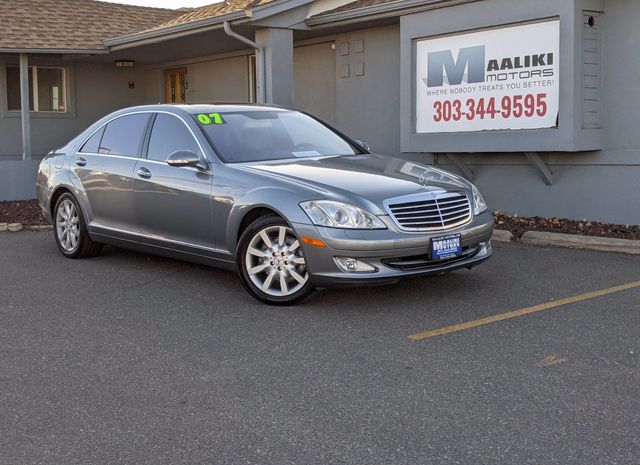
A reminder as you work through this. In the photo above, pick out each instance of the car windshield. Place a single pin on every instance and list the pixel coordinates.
(259, 135)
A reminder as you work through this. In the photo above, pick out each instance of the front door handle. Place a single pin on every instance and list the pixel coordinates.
(81, 161)
(144, 173)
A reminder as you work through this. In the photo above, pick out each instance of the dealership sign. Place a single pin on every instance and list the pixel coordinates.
(504, 78)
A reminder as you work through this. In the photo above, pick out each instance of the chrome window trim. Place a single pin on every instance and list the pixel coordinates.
(124, 157)
(151, 112)
(164, 163)
(193, 135)
(78, 152)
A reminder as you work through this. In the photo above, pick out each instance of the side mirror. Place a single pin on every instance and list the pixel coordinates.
(184, 158)
(364, 145)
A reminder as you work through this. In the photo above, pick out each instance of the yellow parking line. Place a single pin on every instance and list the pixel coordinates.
(522, 312)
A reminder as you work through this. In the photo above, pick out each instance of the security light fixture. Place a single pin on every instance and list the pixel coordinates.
(125, 63)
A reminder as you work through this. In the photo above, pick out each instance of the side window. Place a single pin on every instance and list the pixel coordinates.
(123, 136)
(169, 135)
(93, 143)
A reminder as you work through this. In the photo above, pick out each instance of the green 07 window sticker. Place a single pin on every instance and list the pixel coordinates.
(210, 118)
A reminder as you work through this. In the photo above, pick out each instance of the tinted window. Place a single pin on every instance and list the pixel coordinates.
(123, 136)
(93, 144)
(169, 135)
(270, 135)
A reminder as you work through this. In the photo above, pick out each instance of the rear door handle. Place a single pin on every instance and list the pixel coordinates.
(81, 162)
(144, 172)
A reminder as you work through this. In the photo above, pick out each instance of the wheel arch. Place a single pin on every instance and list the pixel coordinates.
(252, 215)
(71, 190)
(57, 193)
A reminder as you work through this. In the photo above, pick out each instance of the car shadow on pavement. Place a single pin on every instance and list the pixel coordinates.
(400, 296)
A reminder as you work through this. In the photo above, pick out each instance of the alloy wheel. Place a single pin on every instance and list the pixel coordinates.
(274, 261)
(68, 225)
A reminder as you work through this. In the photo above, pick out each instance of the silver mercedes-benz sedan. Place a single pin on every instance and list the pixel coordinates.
(277, 195)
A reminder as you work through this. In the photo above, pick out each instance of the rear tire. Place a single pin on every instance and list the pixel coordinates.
(271, 264)
(70, 229)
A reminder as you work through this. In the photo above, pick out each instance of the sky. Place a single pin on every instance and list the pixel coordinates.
(166, 3)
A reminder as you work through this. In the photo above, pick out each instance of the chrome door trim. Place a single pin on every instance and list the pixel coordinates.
(156, 238)
(163, 163)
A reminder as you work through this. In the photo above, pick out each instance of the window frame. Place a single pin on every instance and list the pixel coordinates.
(34, 79)
(147, 140)
(141, 145)
(81, 147)
(69, 90)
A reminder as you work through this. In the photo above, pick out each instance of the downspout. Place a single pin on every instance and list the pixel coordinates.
(260, 65)
(24, 109)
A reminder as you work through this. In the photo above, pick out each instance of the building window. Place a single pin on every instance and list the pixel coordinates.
(47, 89)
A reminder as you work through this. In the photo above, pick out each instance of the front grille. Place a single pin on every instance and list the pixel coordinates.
(430, 211)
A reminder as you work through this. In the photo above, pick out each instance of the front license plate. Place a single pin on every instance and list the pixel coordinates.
(444, 247)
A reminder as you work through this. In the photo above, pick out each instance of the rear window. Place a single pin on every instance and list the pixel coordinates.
(93, 143)
(123, 136)
(270, 135)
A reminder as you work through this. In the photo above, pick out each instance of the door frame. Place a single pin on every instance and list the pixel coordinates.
(177, 71)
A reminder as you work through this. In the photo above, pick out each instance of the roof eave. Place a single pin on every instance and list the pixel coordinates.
(57, 51)
(172, 32)
(276, 7)
(383, 10)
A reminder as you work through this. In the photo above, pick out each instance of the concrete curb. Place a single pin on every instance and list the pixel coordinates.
(39, 227)
(502, 235)
(581, 242)
(15, 227)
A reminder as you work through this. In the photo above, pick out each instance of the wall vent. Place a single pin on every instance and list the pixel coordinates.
(591, 70)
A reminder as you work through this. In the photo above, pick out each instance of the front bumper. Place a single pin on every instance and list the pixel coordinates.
(394, 254)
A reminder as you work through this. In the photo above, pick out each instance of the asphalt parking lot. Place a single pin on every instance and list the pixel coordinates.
(133, 359)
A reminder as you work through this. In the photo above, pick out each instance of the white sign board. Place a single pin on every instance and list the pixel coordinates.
(497, 79)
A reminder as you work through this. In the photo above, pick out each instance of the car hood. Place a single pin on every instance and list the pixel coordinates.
(372, 178)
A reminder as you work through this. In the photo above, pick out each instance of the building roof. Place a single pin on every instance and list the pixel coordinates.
(210, 11)
(72, 25)
(356, 5)
(93, 26)
(358, 9)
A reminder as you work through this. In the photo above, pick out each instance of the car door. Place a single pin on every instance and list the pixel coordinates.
(104, 166)
(173, 204)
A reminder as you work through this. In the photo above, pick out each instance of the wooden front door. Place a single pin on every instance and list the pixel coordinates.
(174, 85)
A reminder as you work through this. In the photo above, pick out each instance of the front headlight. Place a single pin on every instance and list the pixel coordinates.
(340, 215)
(479, 205)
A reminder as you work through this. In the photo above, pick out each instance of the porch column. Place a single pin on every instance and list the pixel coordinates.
(278, 64)
(24, 101)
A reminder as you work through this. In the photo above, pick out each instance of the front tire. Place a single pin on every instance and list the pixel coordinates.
(70, 229)
(271, 264)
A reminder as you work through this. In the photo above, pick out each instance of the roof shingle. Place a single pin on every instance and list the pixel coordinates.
(72, 24)
(211, 11)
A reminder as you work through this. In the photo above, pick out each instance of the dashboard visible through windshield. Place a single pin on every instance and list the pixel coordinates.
(248, 136)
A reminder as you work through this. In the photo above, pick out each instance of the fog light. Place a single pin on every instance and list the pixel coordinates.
(353, 265)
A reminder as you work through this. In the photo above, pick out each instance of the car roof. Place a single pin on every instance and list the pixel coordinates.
(209, 107)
